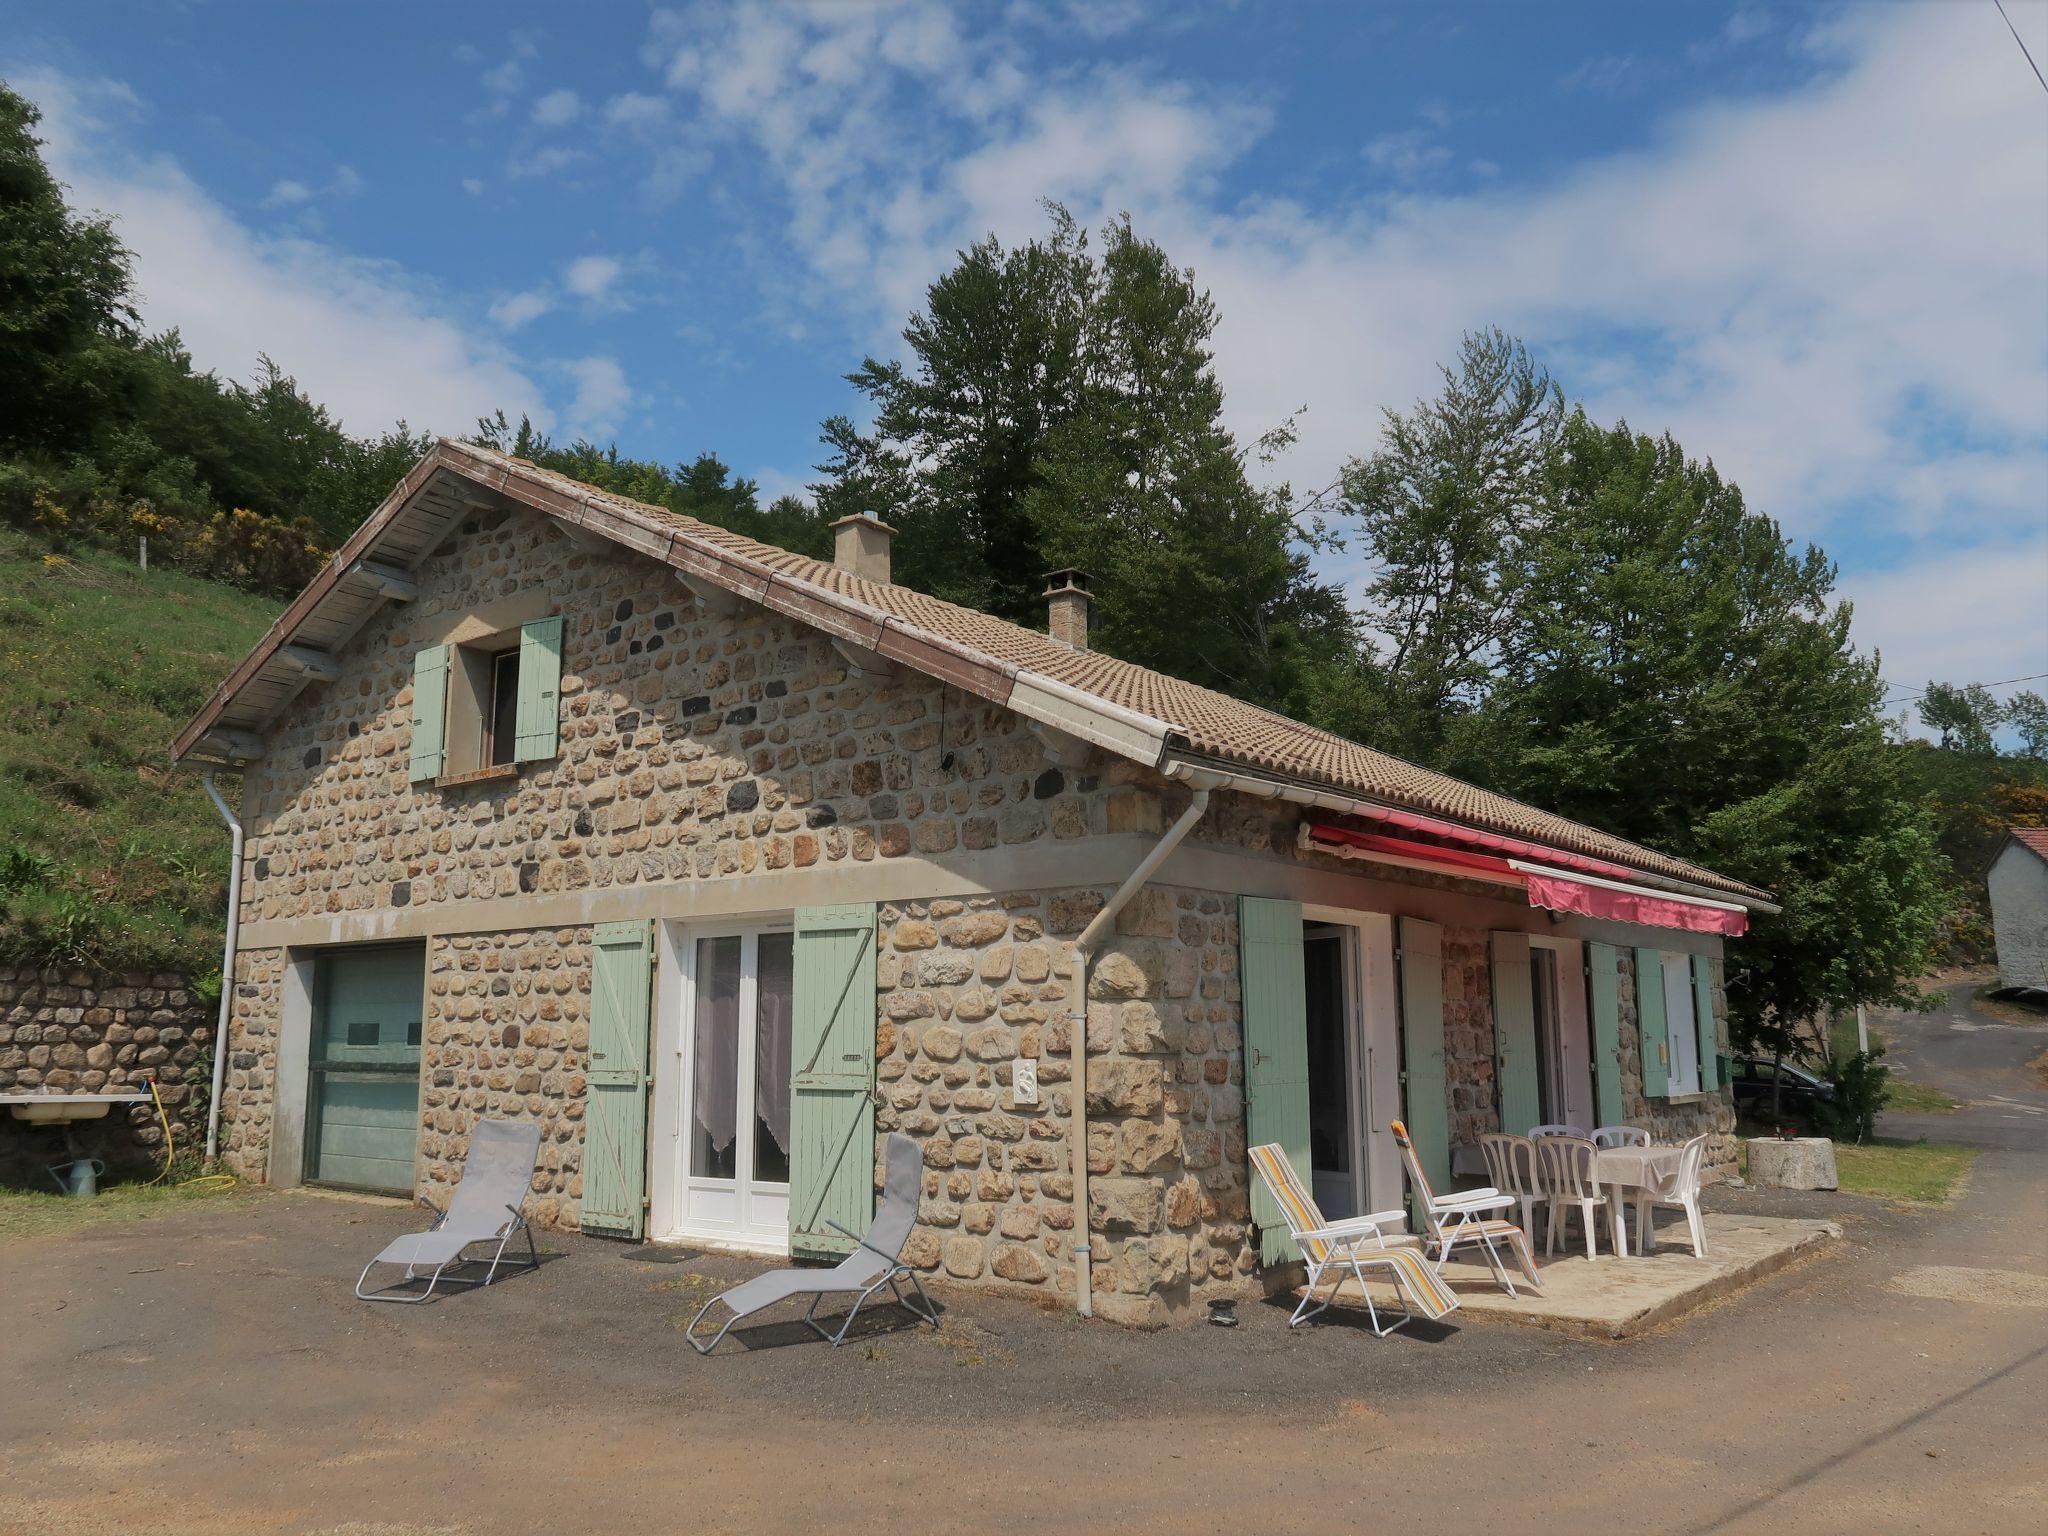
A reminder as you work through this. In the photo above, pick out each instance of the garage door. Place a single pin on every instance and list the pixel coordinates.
(363, 1103)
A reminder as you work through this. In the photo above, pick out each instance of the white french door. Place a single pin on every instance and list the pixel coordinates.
(733, 1045)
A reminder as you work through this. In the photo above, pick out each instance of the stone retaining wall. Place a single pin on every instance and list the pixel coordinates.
(69, 1031)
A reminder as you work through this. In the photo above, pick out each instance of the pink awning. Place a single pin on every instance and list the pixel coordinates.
(1561, 893)
(1587, 895)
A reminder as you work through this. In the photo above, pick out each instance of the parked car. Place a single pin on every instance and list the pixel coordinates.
(1799, 1091)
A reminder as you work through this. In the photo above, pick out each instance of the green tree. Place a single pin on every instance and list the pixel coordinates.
(65, 315)
(1061, 408)
(1445, 506)
(2027, 714)
(1967, 716)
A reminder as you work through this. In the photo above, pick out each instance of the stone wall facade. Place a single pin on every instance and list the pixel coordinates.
(71, 1031)
(693, 745)
(965, 987)
(248, 1092)
(507, 1037)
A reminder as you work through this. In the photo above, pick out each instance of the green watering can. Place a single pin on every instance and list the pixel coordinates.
(80, 1177)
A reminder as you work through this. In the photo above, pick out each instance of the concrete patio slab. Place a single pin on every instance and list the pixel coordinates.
(1610, 1298)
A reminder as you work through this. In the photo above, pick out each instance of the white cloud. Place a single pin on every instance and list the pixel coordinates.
(601, 395)
(558, 109)
(518, 309)
(292, 193)
(591, 277)
(363, 337)
(1408, 155)
(472, 185)
(1839, 292)
(633, 110)
(544, 162)
(1910, 615)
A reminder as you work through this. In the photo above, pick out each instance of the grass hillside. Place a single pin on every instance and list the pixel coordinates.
(108, 858)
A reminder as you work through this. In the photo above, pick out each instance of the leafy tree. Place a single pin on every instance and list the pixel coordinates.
(703, 488)
(65, 314)
(1613, 634)
(1444, 505)
(1967, 717)
(2027, 714)
(1061, 408)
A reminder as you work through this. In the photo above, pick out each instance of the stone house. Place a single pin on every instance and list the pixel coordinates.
(2018, 885)
(720, 862)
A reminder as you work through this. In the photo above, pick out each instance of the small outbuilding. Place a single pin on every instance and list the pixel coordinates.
(2019, 909)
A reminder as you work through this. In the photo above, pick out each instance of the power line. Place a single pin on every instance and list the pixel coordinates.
(2015, 31)
(1921, 693)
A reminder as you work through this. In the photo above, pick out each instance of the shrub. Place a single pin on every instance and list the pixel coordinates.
(1858, 1082)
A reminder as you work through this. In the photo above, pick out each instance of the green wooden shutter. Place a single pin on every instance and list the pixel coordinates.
(1603, 973)
(538, 731)
(1514, 1034)
(615, 1111)
(1425, 1092)
(1276, 1053)
(832, 1069)
(1703, 1013)
(1656, 1035)
(429, 711)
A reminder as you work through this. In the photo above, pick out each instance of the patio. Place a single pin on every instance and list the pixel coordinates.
(1610, 1298)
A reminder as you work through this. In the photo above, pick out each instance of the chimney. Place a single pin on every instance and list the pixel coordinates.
(1066, 607)
(860, 544)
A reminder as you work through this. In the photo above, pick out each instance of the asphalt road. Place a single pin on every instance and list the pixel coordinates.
(1982, 1060)
(207, 1371)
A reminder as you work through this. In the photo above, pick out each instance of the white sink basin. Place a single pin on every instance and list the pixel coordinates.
(59, 1108)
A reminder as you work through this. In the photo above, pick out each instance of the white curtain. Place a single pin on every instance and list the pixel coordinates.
(717, 1028)
(772, 996)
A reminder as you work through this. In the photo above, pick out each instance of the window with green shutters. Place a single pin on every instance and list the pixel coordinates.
(1276, 1052)
(1709, 1028)
(489, 705)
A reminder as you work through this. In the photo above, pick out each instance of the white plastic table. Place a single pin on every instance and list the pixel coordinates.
(1620, 1169)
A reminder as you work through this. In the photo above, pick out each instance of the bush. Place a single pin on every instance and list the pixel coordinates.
(1859, 1083)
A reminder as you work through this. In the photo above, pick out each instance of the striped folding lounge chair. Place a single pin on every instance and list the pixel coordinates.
(1341, 1248)
(1463, 1220)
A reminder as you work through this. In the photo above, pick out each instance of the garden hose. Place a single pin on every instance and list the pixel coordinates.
(202, 1181)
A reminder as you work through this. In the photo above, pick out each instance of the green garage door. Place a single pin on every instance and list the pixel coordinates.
(363, 1102)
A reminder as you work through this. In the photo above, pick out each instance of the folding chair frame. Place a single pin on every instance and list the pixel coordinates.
(922, 1309)
(1452, 1233)
(1343, 1254)
(518, 1224)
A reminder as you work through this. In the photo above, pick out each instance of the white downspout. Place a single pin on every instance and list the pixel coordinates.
(227, 968)
(1077, 1030)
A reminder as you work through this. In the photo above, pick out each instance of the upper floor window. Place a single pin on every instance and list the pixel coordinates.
(489, 703)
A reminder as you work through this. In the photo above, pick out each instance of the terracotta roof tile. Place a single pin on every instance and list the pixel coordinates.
(1213, 725)
(2033, 838)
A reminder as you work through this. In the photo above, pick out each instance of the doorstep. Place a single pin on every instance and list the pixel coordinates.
(1612, 1298)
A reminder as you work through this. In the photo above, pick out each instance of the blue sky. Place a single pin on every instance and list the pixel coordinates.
(1811, 241)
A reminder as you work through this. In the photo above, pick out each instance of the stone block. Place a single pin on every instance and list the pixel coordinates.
(1804, 1162)
(1130, 1088)
(1125, 1205)
(1147, 1146)
(1018, 1263)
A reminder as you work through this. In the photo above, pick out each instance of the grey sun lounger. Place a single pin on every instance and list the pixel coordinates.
(877, 1262)
(487, 1207)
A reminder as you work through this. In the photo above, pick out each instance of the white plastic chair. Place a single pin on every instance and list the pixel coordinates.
(1681, 1189)
(1511, 1168)
(1621, 1136)
(1569, 1180)
(1460, 1220)
(1338, 1246)
(1538, 1132)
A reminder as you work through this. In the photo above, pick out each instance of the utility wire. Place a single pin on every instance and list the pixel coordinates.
(1921, 693)
(2015, 31)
